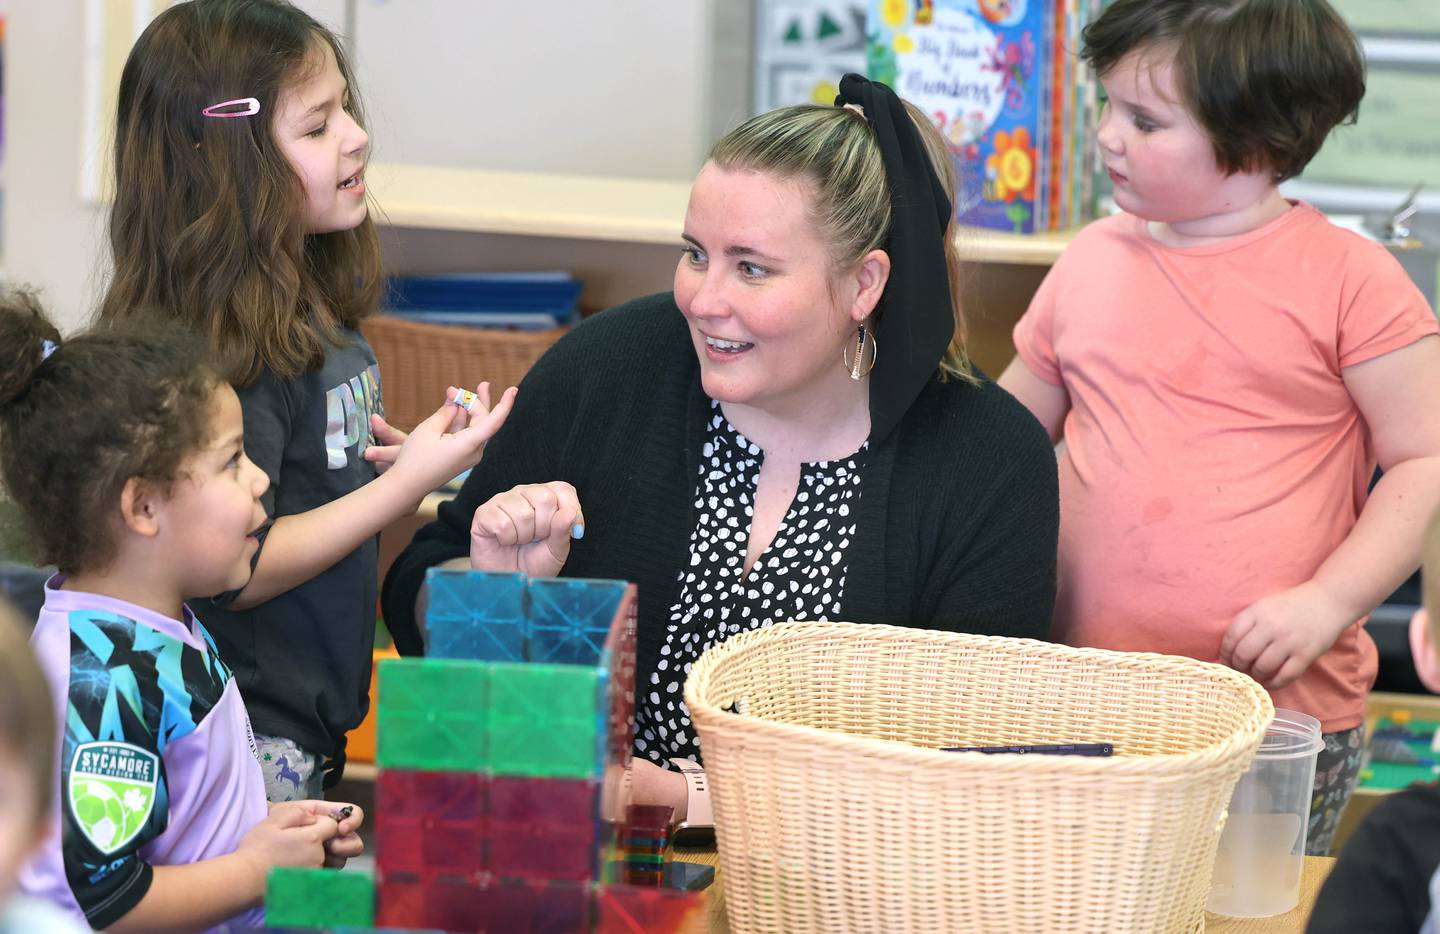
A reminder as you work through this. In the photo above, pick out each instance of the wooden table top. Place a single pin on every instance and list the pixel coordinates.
(1317, 868)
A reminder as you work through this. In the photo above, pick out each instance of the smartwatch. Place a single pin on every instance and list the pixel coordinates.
(698, 827)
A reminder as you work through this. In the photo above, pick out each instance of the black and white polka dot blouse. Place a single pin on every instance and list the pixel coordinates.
(801, 575)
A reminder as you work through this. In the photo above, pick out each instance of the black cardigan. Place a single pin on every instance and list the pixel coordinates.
(957, 523)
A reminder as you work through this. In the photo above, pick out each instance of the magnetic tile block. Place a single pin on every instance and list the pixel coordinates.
(516, 801)
(546, 852)
(545, 720)
(427, 901)
(322, 898)
(643, 878)
(543, 828)
(240, 929)
(570, 620)
(655, 845)
(538, 908)
(430, 822)
(674, 874)
(482, 905)
(648, 820)
(475, 615)
(434, 714)
(623, 909)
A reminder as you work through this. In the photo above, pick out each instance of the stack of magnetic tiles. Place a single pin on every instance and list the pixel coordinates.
(503, 776)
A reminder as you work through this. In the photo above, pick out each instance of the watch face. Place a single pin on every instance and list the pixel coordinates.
(685, 835)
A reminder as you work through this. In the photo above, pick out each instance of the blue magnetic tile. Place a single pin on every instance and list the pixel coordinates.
(570, 619)
(475, 615)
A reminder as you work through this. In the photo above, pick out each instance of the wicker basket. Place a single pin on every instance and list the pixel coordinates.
(419, 361)
(835, 811)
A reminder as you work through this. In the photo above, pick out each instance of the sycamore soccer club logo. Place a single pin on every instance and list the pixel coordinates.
(111, 792)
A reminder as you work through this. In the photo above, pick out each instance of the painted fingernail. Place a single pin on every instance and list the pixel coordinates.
(578, 532)
(465, 399)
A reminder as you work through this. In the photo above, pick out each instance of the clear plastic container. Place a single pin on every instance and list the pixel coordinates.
(1262, 848)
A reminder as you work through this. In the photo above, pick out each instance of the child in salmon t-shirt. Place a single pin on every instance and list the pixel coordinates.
(1228, 368)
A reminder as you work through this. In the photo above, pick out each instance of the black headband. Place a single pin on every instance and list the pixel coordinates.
(916, 316)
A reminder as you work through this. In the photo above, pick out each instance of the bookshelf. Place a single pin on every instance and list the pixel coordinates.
(591, 208)
(621, 237)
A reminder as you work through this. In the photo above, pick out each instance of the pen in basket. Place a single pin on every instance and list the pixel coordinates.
(1065, 749)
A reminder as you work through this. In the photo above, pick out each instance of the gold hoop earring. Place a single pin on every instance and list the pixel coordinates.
(856, 362)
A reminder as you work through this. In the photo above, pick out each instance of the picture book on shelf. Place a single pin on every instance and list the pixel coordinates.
(976, 67)
(1000, 80)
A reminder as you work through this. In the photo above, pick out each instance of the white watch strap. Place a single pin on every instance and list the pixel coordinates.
(697, 794)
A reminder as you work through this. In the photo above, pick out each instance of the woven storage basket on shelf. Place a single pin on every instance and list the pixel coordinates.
(835, 811)
(418, 362)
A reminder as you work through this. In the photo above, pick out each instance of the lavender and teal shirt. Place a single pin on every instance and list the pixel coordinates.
(157, 762)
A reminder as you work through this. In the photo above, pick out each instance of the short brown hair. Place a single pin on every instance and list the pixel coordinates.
(27, 717)
(1267, 79)
(207, 229)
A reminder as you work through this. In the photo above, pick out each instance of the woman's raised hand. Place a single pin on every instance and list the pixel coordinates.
(527, 528)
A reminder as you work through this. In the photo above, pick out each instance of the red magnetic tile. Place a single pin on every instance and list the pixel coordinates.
(449, 904)
(559, 801)
(404, 793)
(545, 854)
(430, 822)
(648, 820)
(538, 907)
(625, 909)
(543, 828)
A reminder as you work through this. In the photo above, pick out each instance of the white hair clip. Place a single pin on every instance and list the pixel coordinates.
(248, 107)
(47, 348)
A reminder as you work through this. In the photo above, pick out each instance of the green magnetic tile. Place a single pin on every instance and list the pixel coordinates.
(545, 720)
(319, 898)
(433, 715)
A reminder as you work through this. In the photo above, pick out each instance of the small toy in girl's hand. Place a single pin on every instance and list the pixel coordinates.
(465, 399)
(339, 814)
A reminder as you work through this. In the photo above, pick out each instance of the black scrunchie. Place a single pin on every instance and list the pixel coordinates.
(917, 319)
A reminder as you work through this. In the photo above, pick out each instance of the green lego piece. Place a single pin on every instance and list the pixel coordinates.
(545, 720)
(319, 898)
(434, 715)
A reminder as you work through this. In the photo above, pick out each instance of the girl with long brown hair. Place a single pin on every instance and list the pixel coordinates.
(240, 214)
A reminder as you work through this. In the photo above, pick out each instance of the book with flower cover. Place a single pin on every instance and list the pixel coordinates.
(981, 70)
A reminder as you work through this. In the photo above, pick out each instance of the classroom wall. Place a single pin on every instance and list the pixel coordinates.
(633, 88)
(52, 239)
(623, 88)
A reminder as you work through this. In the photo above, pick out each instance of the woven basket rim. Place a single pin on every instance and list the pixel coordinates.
(921, 759)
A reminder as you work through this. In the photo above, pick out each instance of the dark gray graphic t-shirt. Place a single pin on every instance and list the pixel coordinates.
(303, 659)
